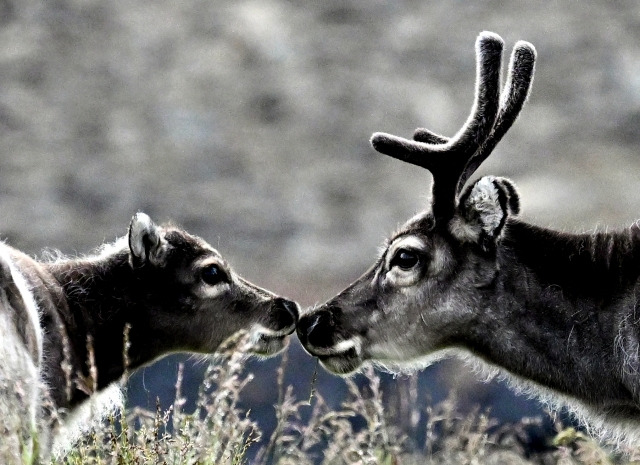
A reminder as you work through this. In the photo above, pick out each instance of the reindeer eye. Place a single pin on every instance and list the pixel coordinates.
(212, 275)
(404, 259)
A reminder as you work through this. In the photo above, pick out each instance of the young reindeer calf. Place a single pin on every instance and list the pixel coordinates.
(64, 324)
(557, 312)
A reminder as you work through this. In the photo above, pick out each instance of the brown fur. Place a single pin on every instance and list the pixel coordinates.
(156, 286)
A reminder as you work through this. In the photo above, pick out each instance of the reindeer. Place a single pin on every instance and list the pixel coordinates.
(70, 328)
(557, 313)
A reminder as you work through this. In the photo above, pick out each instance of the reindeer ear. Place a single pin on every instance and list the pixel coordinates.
(146, 241)
(483, 209)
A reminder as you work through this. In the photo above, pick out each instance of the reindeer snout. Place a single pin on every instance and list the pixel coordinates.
(284, 314)
(317, 329)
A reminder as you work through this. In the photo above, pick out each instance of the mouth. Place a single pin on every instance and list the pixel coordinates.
(267, 346)
(267, 343)
(343, 358)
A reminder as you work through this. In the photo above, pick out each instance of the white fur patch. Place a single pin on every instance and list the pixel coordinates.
(20, 384)
(110, 249)
(348, 344)
(257, 330)
(142, 227)
(86, 416)
(341, 347)
(414, 365)
(484, 201)
(27, 296)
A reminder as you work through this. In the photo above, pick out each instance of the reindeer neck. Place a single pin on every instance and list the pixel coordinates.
(102, 300)
(591, 266)
(554, 313)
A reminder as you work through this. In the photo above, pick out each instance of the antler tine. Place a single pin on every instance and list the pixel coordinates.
(429, 137)
(517, 90)
(446, 159)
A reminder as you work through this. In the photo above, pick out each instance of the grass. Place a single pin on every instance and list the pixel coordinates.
(308, 432)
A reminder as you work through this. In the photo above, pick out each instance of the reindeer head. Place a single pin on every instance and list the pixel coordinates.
(424, 290)
(192, 297)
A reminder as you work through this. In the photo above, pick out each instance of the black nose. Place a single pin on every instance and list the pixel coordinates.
(317, 329)
(284, 313)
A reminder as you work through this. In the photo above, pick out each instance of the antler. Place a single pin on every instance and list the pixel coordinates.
(453, 160)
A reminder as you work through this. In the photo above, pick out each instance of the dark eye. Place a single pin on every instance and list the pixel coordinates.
(405, 259)
(212, 274)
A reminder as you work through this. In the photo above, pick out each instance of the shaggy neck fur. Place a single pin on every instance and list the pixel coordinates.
(86, 305)
(558, 314)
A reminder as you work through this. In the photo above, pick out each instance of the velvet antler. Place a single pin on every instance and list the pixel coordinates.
(453, 160)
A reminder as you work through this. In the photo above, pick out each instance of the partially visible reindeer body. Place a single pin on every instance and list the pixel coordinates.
(558, 312)
(557, 309)
(563, 310)
(157, 291)
(20, 362)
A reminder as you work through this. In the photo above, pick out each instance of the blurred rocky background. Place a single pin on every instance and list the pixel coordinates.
(247, 122)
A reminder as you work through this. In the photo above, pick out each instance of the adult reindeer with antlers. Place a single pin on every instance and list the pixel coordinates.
(557, 312)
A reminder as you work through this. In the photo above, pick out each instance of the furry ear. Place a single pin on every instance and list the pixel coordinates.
(146, 241)
(483, 209)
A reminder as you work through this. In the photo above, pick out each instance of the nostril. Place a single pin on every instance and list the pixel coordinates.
(319, 330)
(285, 313)
(292, 308)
